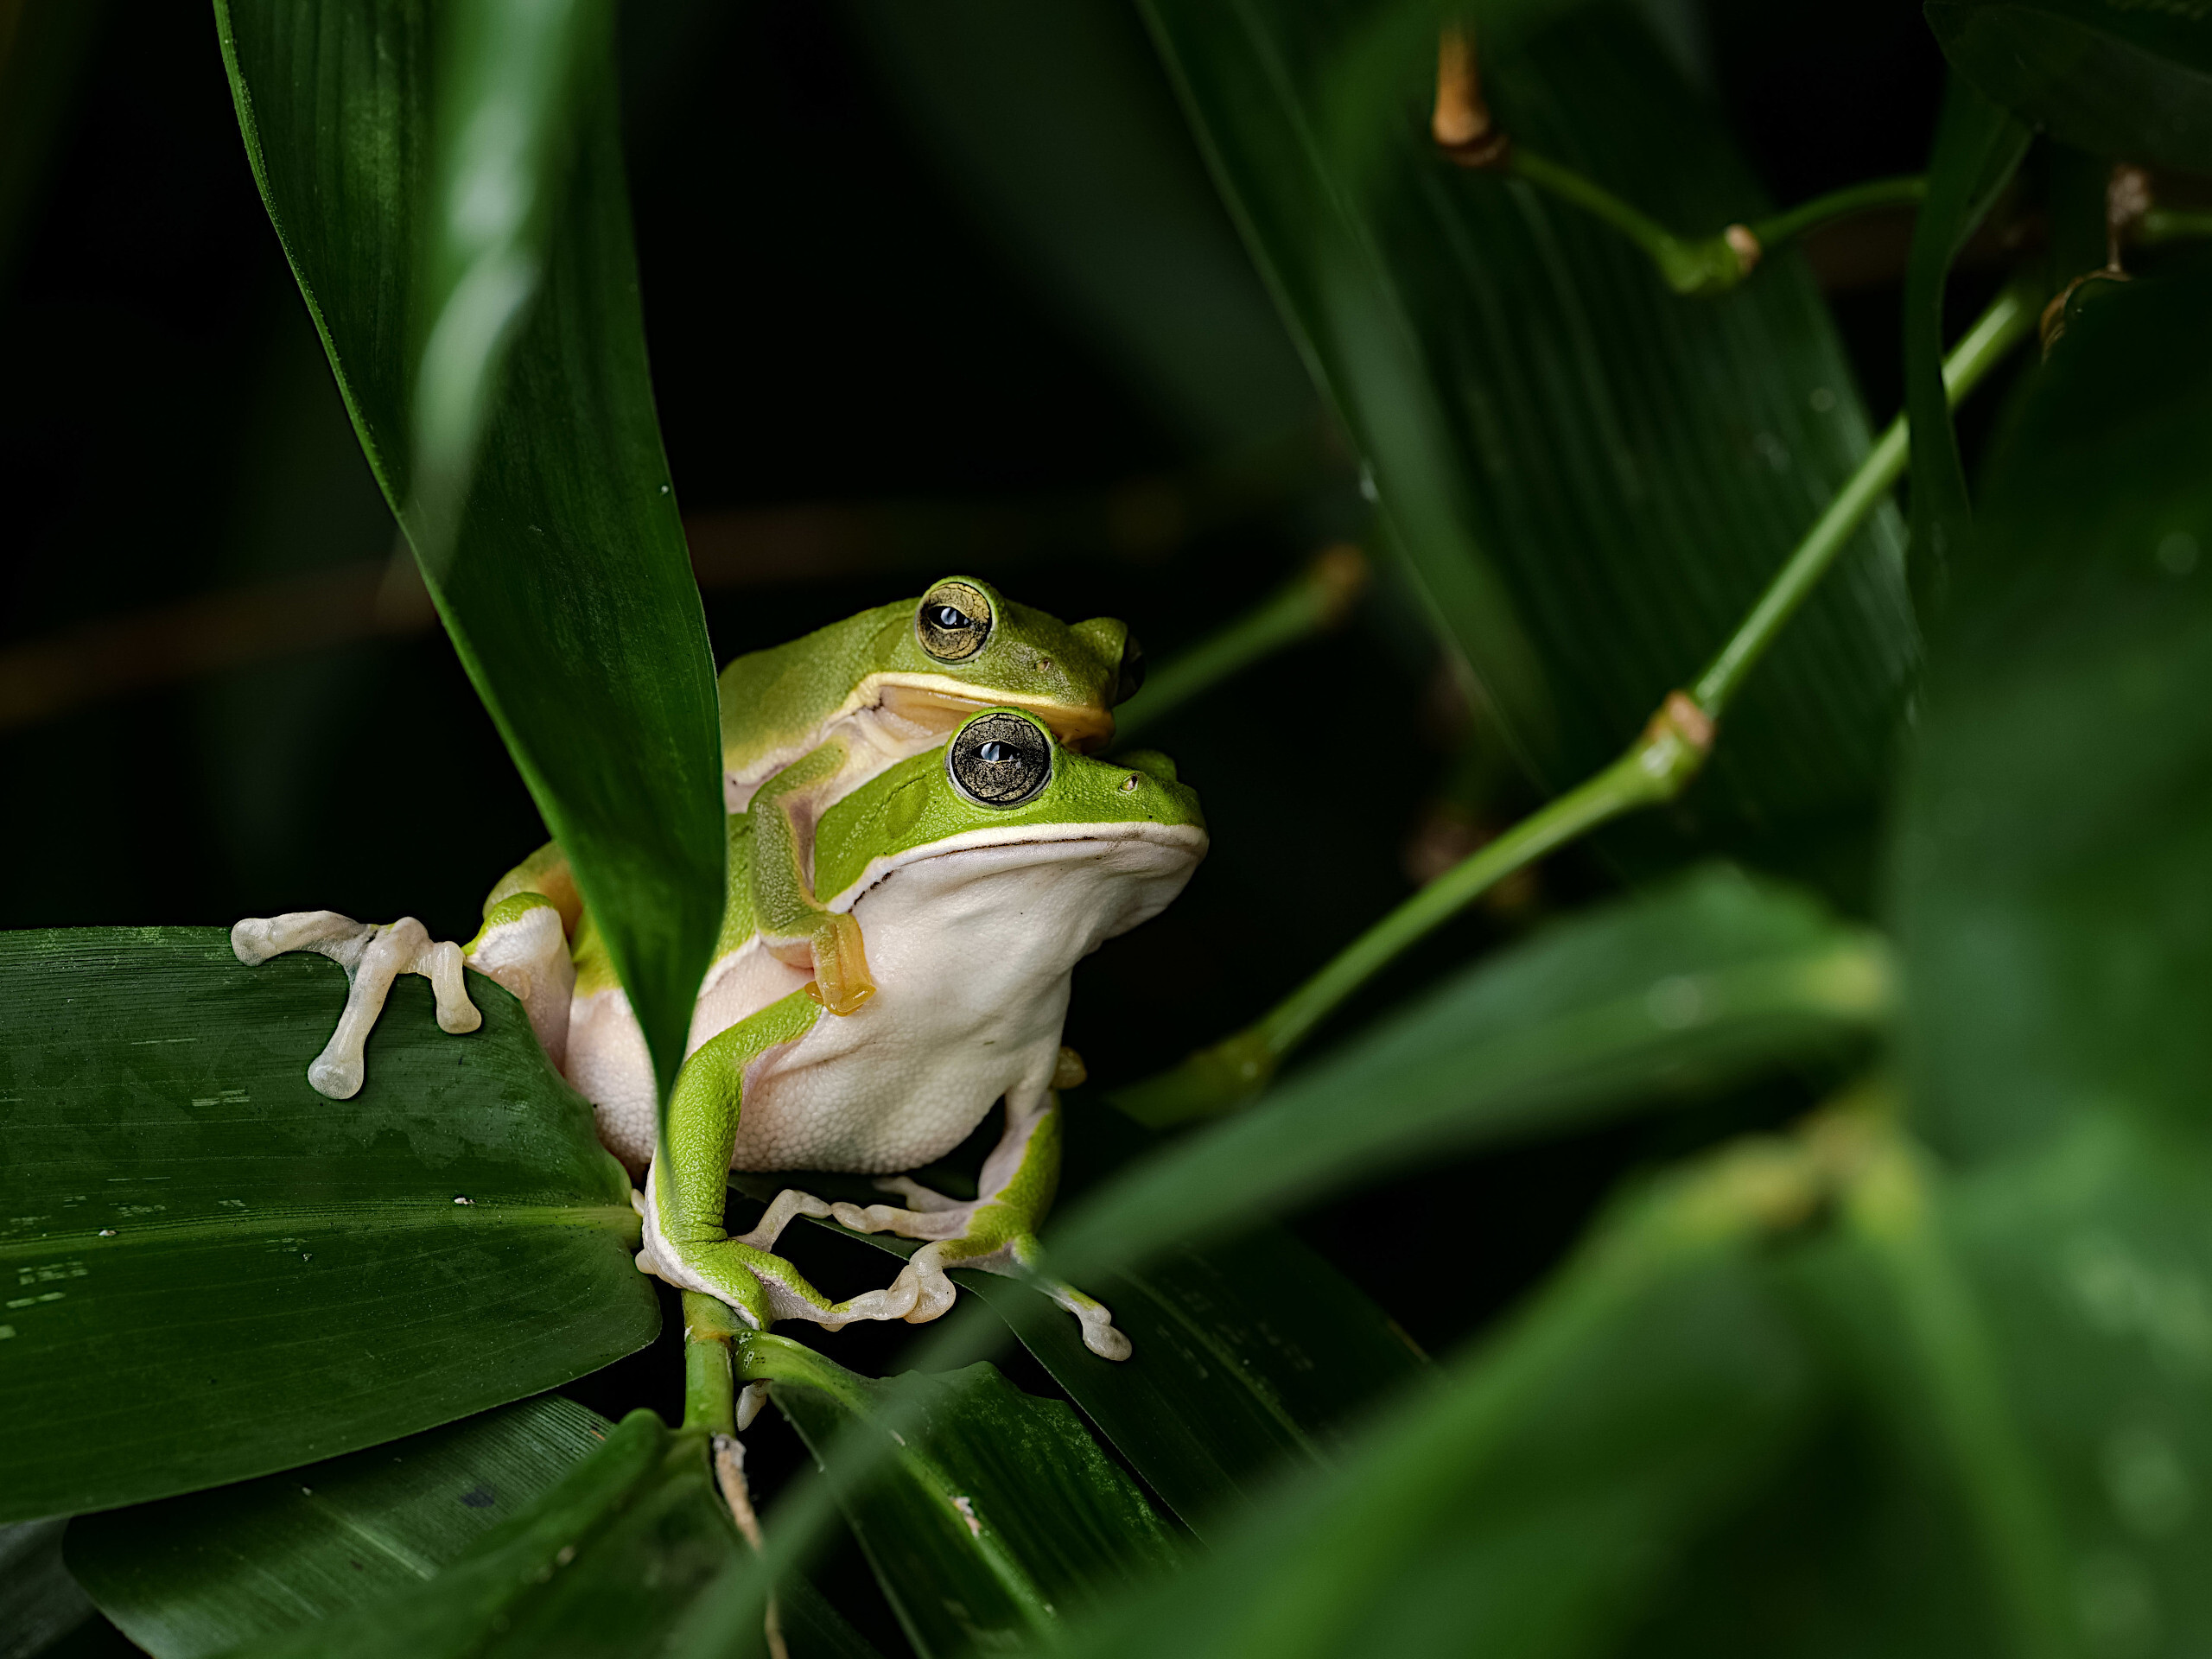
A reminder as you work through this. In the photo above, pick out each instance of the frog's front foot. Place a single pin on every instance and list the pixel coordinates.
(372, 957)
(763, 1287)
(990, 1234)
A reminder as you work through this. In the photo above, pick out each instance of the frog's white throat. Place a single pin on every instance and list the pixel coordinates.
(972, 942)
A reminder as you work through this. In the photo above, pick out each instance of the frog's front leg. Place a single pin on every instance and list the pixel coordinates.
(687, 1184)
(997, 1232)
(372, 957)
(794, 926)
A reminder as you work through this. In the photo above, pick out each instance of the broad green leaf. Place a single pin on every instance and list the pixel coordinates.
(200, 1574)
(1250, 1353)
(290, 1277)
(1534, 1497)
(1057, 123)
(39, 1602)
(270, 1558)
(2053, 862)
(1593, 477)
(608, 1561)
(1702, 981)
(1978, 147)
(2125, 79)
(563, 581)
(995, 1517)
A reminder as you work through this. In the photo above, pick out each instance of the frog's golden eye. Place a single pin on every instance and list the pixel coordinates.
(954, 621)
(999, 760)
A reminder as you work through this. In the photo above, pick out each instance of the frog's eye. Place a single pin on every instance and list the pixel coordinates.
(954, 621)
(999, 760)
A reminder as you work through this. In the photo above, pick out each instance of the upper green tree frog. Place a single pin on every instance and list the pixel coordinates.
(983, 870)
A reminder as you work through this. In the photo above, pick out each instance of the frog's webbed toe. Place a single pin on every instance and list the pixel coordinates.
(373, 957)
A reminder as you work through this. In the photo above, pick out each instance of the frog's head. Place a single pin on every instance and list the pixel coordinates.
(964, 646)
(1110, 841)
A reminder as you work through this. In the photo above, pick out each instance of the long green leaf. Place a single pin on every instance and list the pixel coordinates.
(1533, 1499)
(1978, 147)
(1702, 981)
(212, 1272)
(2123, 79)
(1593, 477)
(2054, 863)
(200, 1574)
(564, 580)
(608, 1561)
(995, 1517)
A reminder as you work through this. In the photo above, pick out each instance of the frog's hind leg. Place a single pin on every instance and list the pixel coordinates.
(996, 1233)
(761, 1286)
(373, 957)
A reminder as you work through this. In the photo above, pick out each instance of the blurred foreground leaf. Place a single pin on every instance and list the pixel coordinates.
(1593, 477)
(995, 1517)
(39, 1602)
(1699, 982)
(2054, 878)
(557, 560)
(289, 1277)
(2125, 80)
(1531, 1499)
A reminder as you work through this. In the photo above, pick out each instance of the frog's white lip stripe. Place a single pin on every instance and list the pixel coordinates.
(1179, 837)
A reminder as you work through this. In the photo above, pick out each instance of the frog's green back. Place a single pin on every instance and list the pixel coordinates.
(777, 703)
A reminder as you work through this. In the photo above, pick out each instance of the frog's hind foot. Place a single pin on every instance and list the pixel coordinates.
(969, 1235)
(373, 957)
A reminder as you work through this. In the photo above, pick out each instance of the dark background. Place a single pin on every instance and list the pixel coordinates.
(837, 325)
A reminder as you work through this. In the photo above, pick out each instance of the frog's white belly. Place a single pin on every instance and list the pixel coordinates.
(972, 949)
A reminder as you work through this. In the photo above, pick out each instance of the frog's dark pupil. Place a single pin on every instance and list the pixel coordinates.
(995, 753)
(950, 620)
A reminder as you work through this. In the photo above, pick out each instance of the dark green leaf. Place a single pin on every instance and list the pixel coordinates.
(608, 1561)
(2125, 80)
(1534, 1497)
(39, 1602)
(200, 1574)
(994, 1518)
(1703, 981)
(1055, 121)
(1978, 147)
(564, 580)
(1593, 477)
(2054, 885)
(289, 1277)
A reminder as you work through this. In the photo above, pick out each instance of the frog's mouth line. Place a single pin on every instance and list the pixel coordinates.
(945, 703)
(1187, 839)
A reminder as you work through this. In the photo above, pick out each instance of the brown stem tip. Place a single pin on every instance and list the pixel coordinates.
(1461, 124)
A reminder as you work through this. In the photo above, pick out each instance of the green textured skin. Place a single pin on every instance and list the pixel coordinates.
(914, 806)
(776, 703)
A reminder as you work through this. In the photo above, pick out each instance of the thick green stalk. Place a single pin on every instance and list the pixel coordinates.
(1657, 767)
(709, 1393)
(2163, 225)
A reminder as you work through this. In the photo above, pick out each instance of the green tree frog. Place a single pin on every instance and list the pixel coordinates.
(983, 870)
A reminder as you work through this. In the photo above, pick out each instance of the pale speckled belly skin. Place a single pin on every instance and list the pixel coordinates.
(972, 952)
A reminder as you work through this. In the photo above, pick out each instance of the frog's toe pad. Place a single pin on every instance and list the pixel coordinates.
(1100, 1336)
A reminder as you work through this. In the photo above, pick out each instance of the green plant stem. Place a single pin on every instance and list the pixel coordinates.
(1708, 265)
(1994, 333)
(1312, 602)
(1777, 228)
(1657, 767)
(2163, 225)
(710, 1392)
